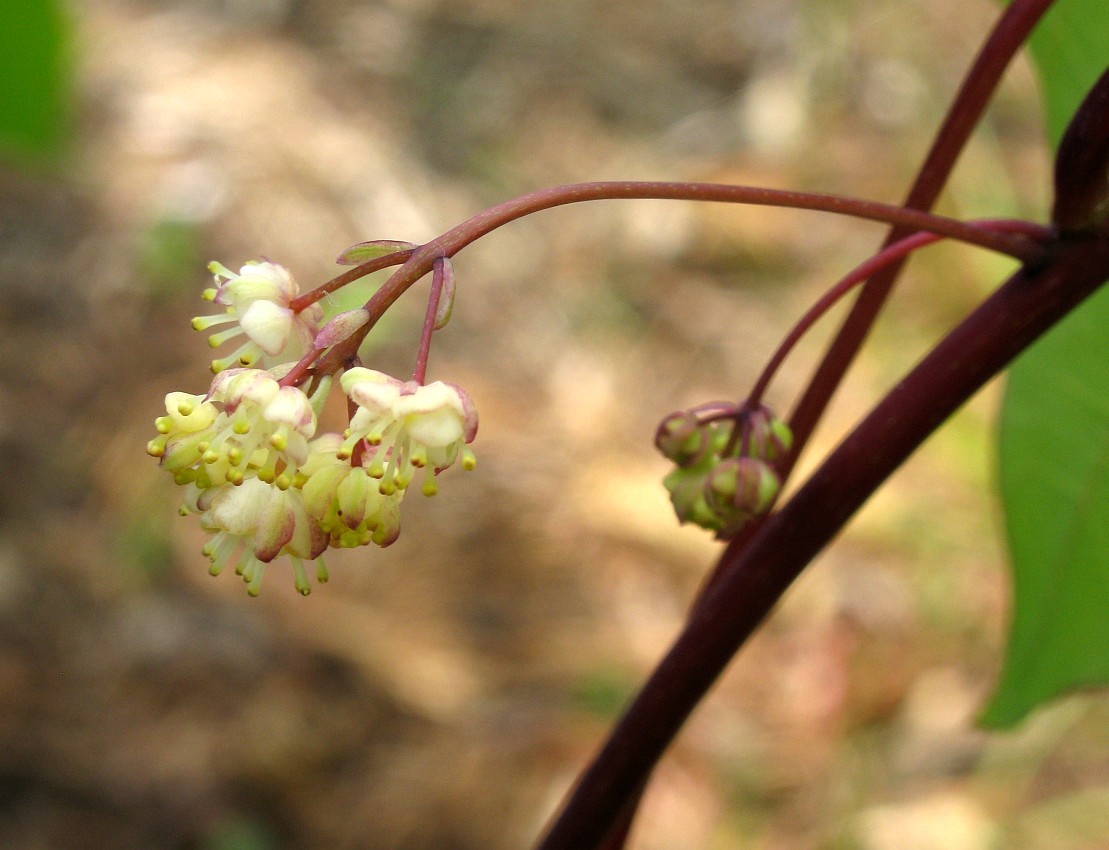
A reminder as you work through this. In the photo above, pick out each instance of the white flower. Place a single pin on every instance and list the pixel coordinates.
(254, 523)
(403, 427)
(438, 418)
(257, 300)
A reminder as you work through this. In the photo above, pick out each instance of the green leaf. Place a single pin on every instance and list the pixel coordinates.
(1069, 50)
(1054, 447)
(1053, 442)
(34, 94)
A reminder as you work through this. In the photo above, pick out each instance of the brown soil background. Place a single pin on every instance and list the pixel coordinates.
(444, 692)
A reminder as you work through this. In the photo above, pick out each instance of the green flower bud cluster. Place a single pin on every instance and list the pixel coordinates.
(724, 458)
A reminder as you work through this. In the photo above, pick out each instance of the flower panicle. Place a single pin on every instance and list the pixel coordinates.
(254, 469)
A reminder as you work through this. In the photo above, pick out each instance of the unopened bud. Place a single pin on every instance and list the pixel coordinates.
(681, 438)
(341, 327)
(740, 488)
(446, 295)
(768, 437)
(686, 486)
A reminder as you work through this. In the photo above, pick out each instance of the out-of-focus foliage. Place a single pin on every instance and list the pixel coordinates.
(34, 94)
(1069, 50)
(1054, 446)
(1054, 442)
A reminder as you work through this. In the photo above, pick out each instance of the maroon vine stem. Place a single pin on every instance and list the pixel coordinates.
(300, 369)
(754, 576)
(1008, 35)
(755, 570)
(1006, 38)
(419, 261)
(892, 253)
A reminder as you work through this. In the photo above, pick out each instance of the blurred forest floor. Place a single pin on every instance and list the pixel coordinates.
(444, 692)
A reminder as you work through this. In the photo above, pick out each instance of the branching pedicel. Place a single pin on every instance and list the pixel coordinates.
(265, 484)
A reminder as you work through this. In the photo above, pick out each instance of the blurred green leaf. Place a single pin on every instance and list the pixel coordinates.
(144, 543)
(1054, 447)
(1053, 442)
(1069, 49)
(169, 255)
(241, 833)
(34, 93)
(603, 692)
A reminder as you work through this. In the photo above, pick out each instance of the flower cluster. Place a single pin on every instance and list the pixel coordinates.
(724, 460)
(263, 482)
(257, 305)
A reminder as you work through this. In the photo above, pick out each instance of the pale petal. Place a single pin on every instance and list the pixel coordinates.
(439, 428)
(300, 545)
(388, 517)
(469, 412)
(269, 325)
(290, 406)
(251, 385)
(319, 542)
(296, 450)
(222, 381)
(319, 491)
(277, 526)
(280, 277)
(429, 398)
(374, 397)
(371, 389)
(352, 493)
(238, 510)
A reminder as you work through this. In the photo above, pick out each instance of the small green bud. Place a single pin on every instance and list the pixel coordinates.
(446, 296)
(681, 438)
(738, 489)
(768, 437)
(687, 494)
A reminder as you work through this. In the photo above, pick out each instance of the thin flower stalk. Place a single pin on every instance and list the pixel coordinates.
(893, 253)
(339, 281)
(1006, 38)
(437, 275)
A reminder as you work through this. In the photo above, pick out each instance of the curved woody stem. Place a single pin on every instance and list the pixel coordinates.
(1006, 38)
(756, 571)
